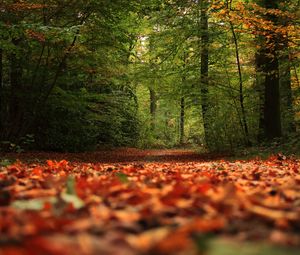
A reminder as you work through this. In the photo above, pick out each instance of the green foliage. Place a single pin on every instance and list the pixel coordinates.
(10, 146)
(122, 177)
(5, 162)
(35, 204)
(65, 128)
(79, 121)
(25, 142)
(71, 185)
(288, 146)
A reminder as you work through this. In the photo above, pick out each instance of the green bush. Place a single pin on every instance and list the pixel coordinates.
(79, 121)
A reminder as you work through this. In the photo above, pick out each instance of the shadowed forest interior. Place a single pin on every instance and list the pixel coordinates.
(79, 75)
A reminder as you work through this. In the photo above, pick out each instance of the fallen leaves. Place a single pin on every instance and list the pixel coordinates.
(146, 208)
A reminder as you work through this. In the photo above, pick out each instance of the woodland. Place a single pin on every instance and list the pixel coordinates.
(149, 127)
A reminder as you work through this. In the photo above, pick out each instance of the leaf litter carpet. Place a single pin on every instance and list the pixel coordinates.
(131, 202)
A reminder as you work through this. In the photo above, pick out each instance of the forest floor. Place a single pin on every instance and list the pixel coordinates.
(132, 202)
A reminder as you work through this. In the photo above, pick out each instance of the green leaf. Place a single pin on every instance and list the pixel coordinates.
(71, 189)
(202, 241)
(36, 204)
(5, 162)
(73, 199)
(122, 177)
(70, 195)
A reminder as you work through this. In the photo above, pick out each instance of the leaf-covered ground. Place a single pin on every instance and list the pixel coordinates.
(148, 202)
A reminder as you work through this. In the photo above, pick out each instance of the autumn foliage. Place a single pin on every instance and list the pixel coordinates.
(140, 207)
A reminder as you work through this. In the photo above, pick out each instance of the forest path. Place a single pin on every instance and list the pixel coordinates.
(121, 155)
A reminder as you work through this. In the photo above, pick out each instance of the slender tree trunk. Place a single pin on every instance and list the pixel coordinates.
(241, 94)
(35, 72)
(231, 95)
(204, 58)
(182, 100)
(153, 106)
(182, 119)
(261, 96)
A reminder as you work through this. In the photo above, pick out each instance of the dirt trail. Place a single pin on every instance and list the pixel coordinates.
(121, 155)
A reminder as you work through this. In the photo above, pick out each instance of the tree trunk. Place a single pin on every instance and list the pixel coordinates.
(204, 57)
(269, 66)
(272, 97)
(241, 93)
(153, 106)
(182, 100)
(182, 119)
(261, 96)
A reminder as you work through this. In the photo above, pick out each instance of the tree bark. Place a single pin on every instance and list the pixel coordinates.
(182, 101)
(153, 106)
(241, 93)
(182, 119)
(272, 97)
(269, 66)
(204, 67)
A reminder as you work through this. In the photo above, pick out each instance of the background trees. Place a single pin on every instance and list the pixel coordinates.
(74, 74)
(63, 73)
